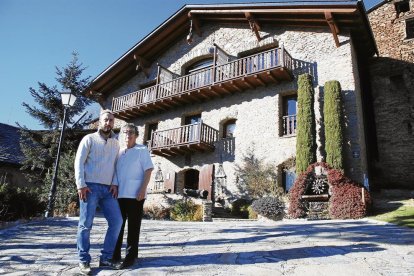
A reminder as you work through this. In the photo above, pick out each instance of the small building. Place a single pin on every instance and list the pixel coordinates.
(215, 81)
(11, 156)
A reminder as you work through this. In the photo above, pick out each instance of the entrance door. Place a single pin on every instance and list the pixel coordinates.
(206, 180)
(191, 179)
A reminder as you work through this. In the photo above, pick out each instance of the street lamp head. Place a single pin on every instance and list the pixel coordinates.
(68, 99)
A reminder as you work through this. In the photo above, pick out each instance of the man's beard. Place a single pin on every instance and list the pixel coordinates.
(106, 130)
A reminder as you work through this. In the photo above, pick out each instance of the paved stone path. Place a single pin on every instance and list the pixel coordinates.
(291, 247)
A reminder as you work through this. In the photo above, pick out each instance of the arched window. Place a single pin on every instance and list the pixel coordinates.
(200, 73)
(229, 128)
(199, 65)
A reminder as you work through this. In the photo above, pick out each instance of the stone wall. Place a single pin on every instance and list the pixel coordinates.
(258, 111)
(392, 80)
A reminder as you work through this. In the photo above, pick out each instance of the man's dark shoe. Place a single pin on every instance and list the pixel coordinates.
(85, 268)
(127, 263)
(109, 264)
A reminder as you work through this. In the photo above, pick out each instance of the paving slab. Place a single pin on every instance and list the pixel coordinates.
(235, 247)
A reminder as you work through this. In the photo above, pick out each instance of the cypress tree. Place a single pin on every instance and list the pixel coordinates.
(332, 110)
(305, 137)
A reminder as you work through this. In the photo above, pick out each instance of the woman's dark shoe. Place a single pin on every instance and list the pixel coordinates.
(127, 263)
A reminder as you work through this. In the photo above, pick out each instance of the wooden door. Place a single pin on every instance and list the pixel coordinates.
(169, 182)
(206, 180)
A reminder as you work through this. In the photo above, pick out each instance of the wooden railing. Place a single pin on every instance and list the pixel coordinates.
(289, 125)
(184, 135)
(276, 57)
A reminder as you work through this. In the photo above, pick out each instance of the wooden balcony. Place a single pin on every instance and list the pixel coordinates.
(183, 140)
(271, 66)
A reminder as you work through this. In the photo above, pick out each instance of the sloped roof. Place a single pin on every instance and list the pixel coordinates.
(10, 151)
(347, 15)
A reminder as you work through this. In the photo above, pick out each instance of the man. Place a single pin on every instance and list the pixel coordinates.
(132, 174)
(94, 170)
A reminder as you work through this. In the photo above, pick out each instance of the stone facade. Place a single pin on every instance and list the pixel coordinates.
(392, 81)
(258, 111)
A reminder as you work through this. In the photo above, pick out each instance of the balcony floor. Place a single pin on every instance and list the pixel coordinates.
(182, 149)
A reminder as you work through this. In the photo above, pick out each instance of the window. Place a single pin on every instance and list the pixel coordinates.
(199, 65)
(402, 6)
(191, 129)
(151, 128)
(289, 115)
(409, 28)
(228, 128)
(148, 94)
(200, 74)
(192, 119)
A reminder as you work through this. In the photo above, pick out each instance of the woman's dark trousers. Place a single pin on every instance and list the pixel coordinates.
(132, 210)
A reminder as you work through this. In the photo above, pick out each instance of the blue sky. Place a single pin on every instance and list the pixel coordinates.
(37, 35)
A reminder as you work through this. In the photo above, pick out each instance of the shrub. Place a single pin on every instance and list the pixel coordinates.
(297, 207)
(332, 110)
(185, 210)
(256, 177)
(239, 208)
(156, 213)
(17, 203)
(252, 213)
(346, 200)
(269, 207)
(198, 213)
(305, 136)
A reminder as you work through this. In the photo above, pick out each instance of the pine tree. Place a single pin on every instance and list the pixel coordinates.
(40, 147)
(305, 137)
(332, 109)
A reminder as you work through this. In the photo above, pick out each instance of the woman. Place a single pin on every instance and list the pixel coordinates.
(132, 174)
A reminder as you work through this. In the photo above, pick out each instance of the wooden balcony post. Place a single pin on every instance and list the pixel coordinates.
(214, 63)
(282, 56)
(157, 80)
(200, 130)
(113, 104)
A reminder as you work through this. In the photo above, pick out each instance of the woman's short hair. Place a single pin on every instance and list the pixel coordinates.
(130, 127)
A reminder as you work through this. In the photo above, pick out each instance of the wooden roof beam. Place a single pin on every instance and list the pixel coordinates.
(333, 26)
(196, 24)
(142, 64)
(254, 25)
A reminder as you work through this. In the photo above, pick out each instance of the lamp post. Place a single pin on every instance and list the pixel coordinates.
(68, 100)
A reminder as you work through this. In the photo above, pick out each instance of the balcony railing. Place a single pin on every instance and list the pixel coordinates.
(289, 125)
(269, 66)
(184, 139)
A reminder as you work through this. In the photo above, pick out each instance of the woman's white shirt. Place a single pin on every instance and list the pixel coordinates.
(130, 170)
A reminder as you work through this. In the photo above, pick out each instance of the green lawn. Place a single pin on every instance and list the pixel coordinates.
(404, 216)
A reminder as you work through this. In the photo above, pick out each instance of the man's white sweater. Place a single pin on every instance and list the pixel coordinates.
(95, 159)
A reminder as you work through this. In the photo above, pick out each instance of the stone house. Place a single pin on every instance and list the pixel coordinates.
(392, 81)
(215, 81)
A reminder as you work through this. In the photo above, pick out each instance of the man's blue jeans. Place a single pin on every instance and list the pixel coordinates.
(99, 196)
